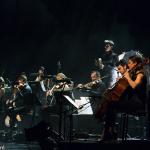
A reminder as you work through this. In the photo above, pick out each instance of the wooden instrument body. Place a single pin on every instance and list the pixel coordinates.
(118, 89)
(111, 95)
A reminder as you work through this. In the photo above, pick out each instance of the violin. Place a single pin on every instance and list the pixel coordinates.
(92, 83)
(10, 103)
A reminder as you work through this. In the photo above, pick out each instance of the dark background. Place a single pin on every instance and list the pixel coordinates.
(43, 32)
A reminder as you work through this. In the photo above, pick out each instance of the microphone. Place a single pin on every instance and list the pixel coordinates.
(100, 64)
(58, 66)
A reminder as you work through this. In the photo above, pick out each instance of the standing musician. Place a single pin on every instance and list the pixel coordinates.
(40, 74)
(131, 99)
(21, 97)
(41, 78)
(42, 86)
(62, 84)
(107, 63)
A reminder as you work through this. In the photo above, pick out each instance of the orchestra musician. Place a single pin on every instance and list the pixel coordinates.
(107, 63)
(17, 105)
(42, 86)
(95, 88)
(131, 100)
(63, 86)
(40, 74)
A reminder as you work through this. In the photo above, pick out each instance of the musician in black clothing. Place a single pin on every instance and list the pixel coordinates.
(21, 101)
(107, 63)
(43, 83)
(40, 74)
(63, 86)
(95, 89)
(132, 99)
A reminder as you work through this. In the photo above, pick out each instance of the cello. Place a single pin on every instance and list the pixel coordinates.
(112, 94)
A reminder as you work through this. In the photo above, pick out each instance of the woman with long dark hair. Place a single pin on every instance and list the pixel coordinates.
(131, 96)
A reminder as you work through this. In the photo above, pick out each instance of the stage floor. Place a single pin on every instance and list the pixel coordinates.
(77, 145)
(89, 145)
(19, 146)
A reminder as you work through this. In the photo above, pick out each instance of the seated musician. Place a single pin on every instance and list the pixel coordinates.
(95, 88)
(132, 99)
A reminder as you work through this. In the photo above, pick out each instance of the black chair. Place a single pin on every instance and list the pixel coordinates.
(125, 118)
(145, 112)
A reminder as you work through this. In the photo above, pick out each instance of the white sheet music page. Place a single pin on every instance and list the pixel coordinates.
(71, 101)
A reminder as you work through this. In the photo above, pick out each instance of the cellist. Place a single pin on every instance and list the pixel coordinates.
(133, 98)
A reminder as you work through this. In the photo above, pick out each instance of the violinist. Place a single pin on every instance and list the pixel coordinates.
(43, 84)
(40, 74)
(62, 84)
(95, 88)
(21, 90)
(95, 83)
(133, 98)
(21, 96)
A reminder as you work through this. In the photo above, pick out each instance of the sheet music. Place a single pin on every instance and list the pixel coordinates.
(85, 102)
(71, 101)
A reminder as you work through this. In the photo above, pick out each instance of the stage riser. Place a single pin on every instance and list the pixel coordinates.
(87, 124)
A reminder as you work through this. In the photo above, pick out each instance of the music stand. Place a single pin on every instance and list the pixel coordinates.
(70, 115)
(71, 101)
